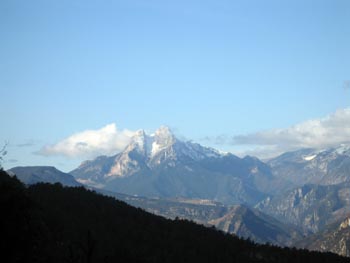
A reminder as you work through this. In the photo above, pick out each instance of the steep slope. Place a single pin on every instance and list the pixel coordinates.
(257, 226)
(45, 174)
(309, 207)
(142, 154)
(239, 220)
(200, 211)
(207, 212)
(160, 165)
(319, 192)
(50, 223)
(334, 238)
(309, 166)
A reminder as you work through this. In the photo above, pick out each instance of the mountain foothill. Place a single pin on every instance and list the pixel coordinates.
(297, 199)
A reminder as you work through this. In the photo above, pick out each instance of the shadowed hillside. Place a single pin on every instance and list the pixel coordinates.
(51, 223)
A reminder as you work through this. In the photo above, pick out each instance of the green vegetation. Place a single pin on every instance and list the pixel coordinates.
(51, 223)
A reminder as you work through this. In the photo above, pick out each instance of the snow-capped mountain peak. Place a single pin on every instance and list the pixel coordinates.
(162, 139)
(314, 166)
(328, 154)
(138, 138)
(151, 145)
(149, 151)
(343, 149)
(160, 164)
(164, 132)
(141, 142)
(163, 142)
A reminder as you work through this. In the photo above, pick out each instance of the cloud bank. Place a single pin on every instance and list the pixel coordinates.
(91, 143)
(325, 132)
(329, 131)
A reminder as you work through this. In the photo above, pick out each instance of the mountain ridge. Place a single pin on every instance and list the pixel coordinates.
(205, 212)
(313, 166)
(49, 223)
(47, 174)
(161, 165)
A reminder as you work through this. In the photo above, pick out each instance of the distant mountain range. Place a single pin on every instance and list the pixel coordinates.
(161, 165)
(321, 187)
(309, 207)
(43, 174)
(257, 226)
(309, 166)
(51, 223)
(308, 190)
(239, 219)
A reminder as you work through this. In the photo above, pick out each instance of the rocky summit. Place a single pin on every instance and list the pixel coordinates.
(161, 165)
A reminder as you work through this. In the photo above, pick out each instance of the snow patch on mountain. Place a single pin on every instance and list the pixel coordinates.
(343, 149)
(310, 157)
(146, 151)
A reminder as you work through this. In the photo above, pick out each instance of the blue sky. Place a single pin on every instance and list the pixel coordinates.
(214, 71)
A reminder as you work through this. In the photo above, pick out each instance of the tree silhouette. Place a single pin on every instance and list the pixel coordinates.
(3, 152)
(52, 223)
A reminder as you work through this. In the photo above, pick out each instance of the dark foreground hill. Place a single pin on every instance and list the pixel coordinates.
(239, 220)
(51, 223)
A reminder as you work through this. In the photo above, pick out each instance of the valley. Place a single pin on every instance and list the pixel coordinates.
(291, 200)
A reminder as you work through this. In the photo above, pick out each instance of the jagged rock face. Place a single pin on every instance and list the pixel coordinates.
(319, 191)
(248, 223)
(334, 238)
(144, 152)
(310, 207)
(310, 166)
(160, 165)
(238, 220)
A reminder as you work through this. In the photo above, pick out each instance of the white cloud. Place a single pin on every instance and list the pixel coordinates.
(329, 131)
(91, 143)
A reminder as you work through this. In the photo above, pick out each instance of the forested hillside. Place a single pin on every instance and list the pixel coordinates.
(52, 223)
